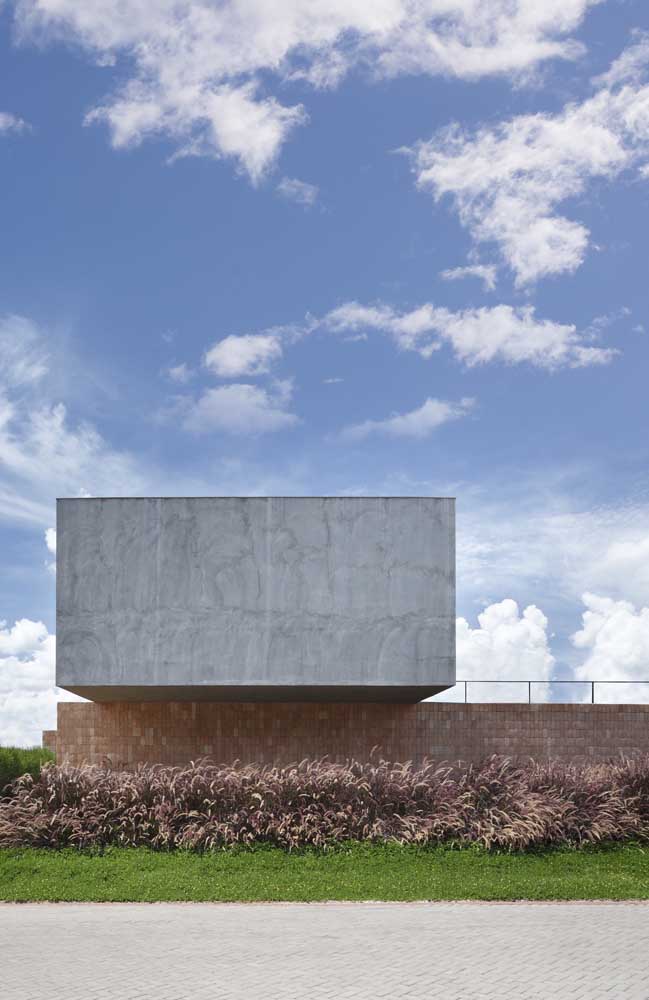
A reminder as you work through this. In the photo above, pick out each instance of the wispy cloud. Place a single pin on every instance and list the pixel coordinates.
(298, 191)
(418, 423)
(42, 453)
(12, 123)
(485, 272)
(630, 67)
(182, 373)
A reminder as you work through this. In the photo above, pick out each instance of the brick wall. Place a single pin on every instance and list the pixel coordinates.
(176, 732)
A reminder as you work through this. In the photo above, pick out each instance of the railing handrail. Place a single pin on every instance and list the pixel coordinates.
(529, 683)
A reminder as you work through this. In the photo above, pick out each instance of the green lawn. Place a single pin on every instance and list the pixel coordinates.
(359, 872)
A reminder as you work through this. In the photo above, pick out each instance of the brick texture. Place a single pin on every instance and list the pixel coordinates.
(177, 732)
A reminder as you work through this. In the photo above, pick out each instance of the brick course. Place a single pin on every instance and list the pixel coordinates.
(177, 732)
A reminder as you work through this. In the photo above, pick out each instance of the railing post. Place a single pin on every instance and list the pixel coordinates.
(592, 692)
(465, 684)
(529, 692)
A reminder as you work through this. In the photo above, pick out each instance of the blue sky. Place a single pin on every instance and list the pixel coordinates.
(233, 242)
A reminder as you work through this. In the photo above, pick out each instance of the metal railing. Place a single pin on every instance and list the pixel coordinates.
(529, 684)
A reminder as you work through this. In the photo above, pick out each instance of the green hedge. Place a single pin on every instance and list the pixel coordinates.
(15, 761)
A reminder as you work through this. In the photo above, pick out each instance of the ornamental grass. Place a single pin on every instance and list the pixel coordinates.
(498, 804)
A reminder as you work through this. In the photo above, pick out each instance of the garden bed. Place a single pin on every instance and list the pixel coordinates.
(498, 805)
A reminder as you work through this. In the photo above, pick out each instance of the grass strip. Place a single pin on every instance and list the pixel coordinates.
(356, 872)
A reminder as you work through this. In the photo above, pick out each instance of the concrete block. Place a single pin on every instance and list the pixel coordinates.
(256, 598)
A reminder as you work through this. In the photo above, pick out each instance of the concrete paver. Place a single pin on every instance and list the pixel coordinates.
(454, 951)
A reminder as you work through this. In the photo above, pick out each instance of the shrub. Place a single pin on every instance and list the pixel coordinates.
(15, 761)
(204, 806)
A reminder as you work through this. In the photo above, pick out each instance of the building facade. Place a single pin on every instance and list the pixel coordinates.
(272, 629)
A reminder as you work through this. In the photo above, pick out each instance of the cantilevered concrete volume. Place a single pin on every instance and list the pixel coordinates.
(256, 598)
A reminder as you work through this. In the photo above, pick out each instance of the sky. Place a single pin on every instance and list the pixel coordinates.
(318, 247)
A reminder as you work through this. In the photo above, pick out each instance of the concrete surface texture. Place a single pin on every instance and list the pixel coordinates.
(454, 951)
(245, 598)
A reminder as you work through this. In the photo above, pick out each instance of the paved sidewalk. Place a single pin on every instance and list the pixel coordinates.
(280, 951)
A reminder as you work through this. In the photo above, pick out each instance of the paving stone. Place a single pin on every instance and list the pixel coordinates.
(468, 951)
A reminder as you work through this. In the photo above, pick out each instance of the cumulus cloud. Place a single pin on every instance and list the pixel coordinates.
(28, 695)
(419, 423)
(615, 636)
(191, 69)
(504, 333)
(507, 182)
(508, 645)
(24, 637)
(240, 408)
(250, 354)
(50, 540)
(298, 191)
(11, 123)
(486, 273)
(505, 646)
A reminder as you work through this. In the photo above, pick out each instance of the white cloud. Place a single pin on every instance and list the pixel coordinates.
(50, 541)
(616, 638)
(28, 695)
(332, 381)
(23, 357)
(508, 334)
(11, 123)
(507, 181)
(181, 373)
(418, 423)
(532, 537)
(505, 646)
(485, 272)
(43, 454)
(242, 409)
(24, 637)
(630, 66)
(192, 67)
(250, 354)
(298, 191)
(238, 125)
